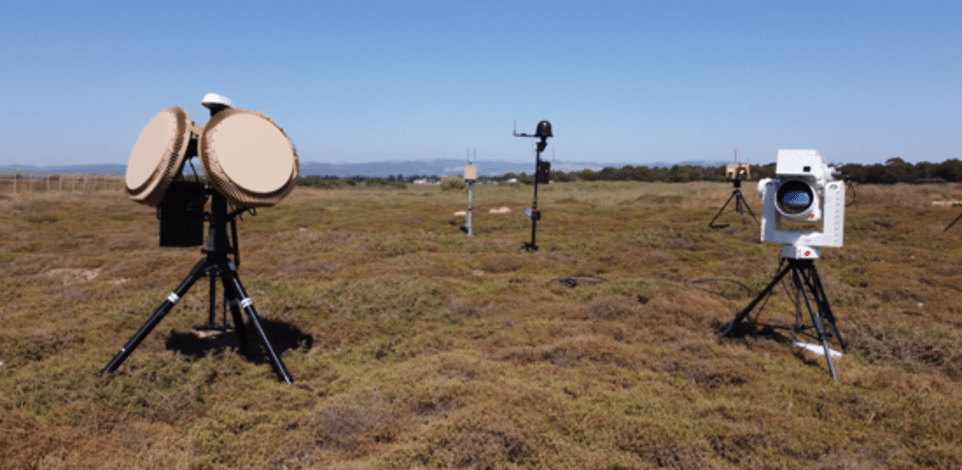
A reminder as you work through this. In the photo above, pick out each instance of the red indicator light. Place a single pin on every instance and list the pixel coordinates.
(808, 253)
(811, 216)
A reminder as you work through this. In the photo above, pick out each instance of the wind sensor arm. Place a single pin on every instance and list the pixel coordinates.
(515, 131)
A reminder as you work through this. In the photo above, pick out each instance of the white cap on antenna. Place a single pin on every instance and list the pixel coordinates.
(213, 99)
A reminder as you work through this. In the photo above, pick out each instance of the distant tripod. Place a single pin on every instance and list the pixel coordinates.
(804, 276)
(215, 265)
(740, 206)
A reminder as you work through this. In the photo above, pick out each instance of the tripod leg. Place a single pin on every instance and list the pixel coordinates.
(745, 203)
(157, 316)
(232, 282)
(953, 223)
(815, 285)
(798, 301)
(712, 223)
(739, 208)
(744, 313)
(239, 328)
(819, 324)
(213, 300)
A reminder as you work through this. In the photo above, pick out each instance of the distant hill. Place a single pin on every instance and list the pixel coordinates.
(378, 169)
(431, 167)
(112, 169)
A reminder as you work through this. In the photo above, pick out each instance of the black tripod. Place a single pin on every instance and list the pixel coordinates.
(804, 276)
(215, 265)
(740, 206)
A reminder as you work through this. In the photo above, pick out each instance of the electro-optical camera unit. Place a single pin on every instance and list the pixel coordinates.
(804, 189)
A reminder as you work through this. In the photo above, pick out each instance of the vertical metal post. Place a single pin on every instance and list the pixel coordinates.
(534, 203)
(468, 221)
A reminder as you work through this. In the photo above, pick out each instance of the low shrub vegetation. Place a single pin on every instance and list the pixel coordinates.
(414, 346)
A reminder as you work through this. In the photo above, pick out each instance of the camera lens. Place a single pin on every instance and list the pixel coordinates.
(794, 197)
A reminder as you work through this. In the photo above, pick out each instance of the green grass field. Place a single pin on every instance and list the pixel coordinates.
(414, 346)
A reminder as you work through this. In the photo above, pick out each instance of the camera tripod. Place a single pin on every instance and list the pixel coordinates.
(215, 265)
(740, 206)
(804, 276)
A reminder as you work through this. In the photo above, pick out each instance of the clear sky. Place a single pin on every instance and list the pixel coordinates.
(630, 82)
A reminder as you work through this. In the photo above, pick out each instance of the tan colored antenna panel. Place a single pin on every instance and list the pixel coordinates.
(158, 155)
(248, 158)
(470, 172)
(735, 170)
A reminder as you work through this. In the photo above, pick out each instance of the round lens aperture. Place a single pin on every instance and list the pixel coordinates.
(794, 197)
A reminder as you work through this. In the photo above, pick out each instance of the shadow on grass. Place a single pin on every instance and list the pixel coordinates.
(748, 331)
(779, 333)
(282, 336)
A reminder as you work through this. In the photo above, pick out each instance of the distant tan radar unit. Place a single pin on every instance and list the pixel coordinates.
(737, 170)
(734, 173)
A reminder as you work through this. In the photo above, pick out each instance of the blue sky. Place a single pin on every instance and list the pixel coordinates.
(627, 82)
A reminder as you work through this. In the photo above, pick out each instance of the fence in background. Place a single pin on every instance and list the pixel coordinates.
(14, 181)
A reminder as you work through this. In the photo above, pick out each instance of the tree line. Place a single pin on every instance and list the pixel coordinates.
(894, 170)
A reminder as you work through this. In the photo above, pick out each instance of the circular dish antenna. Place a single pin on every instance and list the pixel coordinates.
(248, 158)
(158, 156)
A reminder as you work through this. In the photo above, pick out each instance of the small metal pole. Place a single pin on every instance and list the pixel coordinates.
(468, 221)
(534, 202)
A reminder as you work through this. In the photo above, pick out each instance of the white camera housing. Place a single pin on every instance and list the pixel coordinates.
(804, 189)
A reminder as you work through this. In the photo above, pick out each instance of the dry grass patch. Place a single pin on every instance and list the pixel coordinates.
(413, 346)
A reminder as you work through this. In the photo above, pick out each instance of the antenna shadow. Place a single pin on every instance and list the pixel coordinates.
(283, 336)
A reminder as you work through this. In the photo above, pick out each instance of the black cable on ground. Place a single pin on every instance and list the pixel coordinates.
(573, 281)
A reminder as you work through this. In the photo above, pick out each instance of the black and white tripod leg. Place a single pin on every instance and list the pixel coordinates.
(232, 282)
(824, 307)
(157, 316)
(820, 328)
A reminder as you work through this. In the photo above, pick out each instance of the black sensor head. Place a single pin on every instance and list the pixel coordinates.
(544, 130)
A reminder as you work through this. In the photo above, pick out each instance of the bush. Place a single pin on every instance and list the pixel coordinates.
(383, 183)
(325, 182)
(454, 183)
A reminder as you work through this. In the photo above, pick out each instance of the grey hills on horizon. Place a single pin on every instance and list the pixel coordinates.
(440, 167)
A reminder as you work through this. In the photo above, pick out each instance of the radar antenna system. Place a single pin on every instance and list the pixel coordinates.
(155, 178)
(734, 172)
